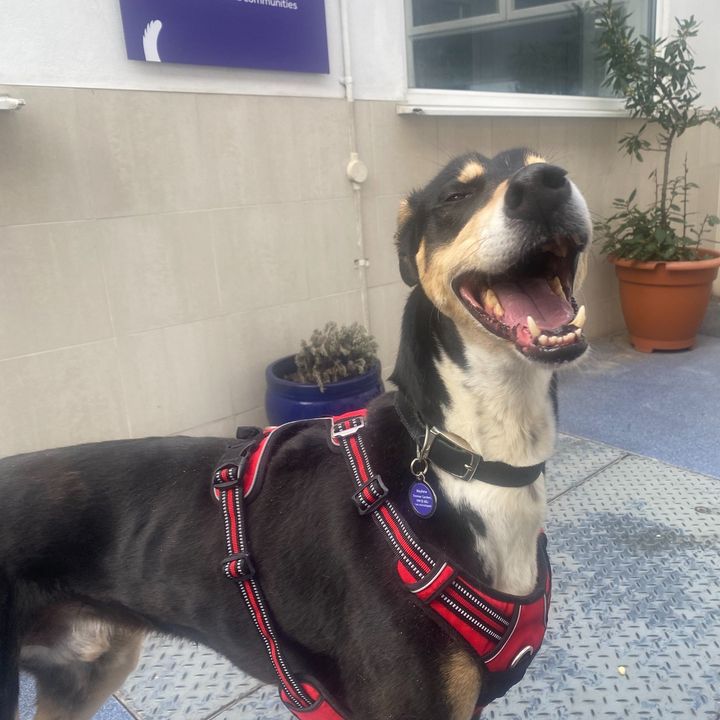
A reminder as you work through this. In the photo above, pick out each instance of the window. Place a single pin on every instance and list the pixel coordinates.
(510, 46)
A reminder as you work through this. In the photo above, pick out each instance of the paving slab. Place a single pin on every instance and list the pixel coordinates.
(263, 703)
(178, 679)
(111, 710)
(575, 460)
(663, 405)
(635, 621)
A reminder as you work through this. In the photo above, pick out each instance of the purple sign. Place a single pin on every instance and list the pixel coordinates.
(267, 34)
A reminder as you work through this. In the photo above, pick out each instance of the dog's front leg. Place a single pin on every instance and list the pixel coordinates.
(430, 685)
(462, 682)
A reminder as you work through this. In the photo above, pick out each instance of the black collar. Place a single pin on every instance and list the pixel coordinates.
(447, 455)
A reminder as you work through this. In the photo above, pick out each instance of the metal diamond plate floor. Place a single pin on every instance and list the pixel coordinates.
(182, 680)
(635, 622)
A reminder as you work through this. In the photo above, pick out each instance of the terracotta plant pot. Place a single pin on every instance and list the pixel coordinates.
(664, 303)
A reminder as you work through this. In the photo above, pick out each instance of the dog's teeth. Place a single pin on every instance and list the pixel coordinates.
(570, 337)
(553, 340)
(579, 320)
(543, 340)
(492, 304)
(533, 327)
(578, 333)
(490, 298)
(556, 287)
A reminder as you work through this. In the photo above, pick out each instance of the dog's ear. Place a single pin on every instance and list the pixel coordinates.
(407, 239)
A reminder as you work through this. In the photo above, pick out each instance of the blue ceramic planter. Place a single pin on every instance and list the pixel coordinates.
(286, 400)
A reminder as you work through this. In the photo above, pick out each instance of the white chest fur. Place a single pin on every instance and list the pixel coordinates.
(502, 411)
(512, 518)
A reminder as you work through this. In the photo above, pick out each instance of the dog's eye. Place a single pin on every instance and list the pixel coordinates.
(454, 197)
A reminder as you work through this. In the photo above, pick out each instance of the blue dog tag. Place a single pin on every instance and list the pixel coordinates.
(422, 499)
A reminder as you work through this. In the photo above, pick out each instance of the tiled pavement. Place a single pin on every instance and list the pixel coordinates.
(664, 405)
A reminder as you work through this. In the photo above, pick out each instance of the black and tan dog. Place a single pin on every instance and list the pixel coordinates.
(100, 543)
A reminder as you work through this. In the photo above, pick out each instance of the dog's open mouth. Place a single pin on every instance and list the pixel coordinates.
(531, 304)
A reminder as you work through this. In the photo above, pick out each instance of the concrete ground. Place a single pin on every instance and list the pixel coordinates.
(634, 533)
(664, 405)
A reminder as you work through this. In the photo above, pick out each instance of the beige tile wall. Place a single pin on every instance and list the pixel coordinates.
(157, 250)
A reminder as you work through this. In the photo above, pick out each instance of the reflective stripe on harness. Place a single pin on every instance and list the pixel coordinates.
(505, 632)
(233, 481)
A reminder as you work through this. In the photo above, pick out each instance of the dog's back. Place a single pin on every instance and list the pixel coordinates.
(63, 510)
(63, 503)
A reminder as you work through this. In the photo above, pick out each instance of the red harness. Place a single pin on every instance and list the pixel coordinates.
(504, 631)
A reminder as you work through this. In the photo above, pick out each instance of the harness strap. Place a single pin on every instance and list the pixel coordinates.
(505, 632)
(233, 481)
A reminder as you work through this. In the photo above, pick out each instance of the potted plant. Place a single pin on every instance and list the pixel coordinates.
(665, 274)
(336, 370)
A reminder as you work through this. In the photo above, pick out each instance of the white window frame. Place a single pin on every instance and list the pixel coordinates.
(474, 102)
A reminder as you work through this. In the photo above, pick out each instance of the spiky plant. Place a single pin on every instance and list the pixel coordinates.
(335, 353)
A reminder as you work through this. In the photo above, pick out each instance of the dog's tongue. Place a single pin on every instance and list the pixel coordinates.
(532, 296)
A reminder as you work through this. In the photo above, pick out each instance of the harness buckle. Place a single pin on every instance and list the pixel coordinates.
(377, 489)
(226, 477)
(338, 431)
(243, 569)
(233, 462)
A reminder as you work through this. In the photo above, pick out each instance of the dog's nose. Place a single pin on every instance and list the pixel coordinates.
(536, 191)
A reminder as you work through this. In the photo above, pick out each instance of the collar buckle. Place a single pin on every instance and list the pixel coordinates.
(419, 465)
(475, 461)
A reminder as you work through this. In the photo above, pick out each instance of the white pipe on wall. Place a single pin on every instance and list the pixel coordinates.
(356, 169)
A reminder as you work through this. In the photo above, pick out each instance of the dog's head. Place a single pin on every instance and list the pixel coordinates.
(495, 245)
